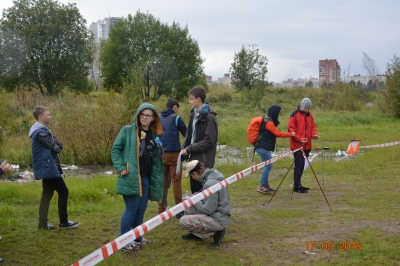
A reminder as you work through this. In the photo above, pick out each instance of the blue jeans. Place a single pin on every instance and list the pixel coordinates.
(135, 206)
(265, 156)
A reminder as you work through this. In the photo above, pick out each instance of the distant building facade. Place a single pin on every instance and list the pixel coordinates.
(300, 82)
(101, 28)
(226, 80)
(329, 71)
(364, 79)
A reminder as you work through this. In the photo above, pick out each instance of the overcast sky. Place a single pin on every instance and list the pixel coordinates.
(293, 35)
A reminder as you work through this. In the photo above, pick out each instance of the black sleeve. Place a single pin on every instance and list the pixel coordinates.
(48, 142)
(56, 141)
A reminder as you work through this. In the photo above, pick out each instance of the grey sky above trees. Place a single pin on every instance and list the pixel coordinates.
(293, 35)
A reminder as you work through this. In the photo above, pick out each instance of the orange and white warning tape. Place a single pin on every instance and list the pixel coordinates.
(381, 145)
(112, 247)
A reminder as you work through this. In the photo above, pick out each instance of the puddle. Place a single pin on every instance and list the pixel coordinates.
(225, 155)
(23, 176)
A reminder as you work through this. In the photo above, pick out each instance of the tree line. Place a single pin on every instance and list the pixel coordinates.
(45, 46)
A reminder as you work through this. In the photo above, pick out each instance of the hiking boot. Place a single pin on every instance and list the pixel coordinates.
(48, 226)
(263, 189)
(191, 237)
(270, 189)
(133, 246)
(305, 188)
(218, 238)
(142, 242)
(299, 189)
(179, 215)
(68, 225)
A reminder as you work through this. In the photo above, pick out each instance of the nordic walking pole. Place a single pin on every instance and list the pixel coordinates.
(318, 182)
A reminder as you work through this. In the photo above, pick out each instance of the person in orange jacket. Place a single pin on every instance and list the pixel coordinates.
(266, 144)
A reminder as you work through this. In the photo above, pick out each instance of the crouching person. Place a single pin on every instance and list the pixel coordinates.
(210, 216)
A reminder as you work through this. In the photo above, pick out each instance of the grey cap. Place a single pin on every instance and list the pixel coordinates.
(306, 103)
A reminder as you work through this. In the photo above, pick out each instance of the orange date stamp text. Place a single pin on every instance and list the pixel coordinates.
(330, 245)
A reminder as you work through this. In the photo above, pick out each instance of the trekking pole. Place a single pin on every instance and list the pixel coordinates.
(318, 181)
(280, 185)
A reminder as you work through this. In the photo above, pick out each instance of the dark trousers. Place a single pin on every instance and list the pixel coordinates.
(49, 186)
(299, 162)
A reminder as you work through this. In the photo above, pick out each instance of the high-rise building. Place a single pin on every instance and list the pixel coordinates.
(329, 71)
(101, 28)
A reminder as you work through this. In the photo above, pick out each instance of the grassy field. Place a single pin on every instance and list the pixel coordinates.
(361, 226)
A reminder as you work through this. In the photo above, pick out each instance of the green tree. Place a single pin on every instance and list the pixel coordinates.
(167, 55)
(371, 85)
(393, 86)
(44, 45)
(359, 85)
(249, 68)
(309, 84)
(352, 83)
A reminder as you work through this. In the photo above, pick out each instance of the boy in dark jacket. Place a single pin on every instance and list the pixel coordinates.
(47, 166)
(202, 134)
(172, 124)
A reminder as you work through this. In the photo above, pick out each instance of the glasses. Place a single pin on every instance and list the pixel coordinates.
(145, 115)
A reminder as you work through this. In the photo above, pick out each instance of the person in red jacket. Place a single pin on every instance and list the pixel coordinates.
(301, 121)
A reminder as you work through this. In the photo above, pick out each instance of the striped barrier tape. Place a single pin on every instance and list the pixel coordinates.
(115, 245)
(381, 145)
(309, 161)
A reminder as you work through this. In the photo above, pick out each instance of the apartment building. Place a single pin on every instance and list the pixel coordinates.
(101, 28)
(364, 79)
(300, 82)
(226, 80)
(329, 71)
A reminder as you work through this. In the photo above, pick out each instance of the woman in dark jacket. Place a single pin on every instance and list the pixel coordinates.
(266, 143)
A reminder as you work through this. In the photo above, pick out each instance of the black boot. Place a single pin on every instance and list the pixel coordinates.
(218, 238)
(191, 237)
(299, 189)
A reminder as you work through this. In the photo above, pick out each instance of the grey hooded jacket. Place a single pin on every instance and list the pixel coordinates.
(218, 204)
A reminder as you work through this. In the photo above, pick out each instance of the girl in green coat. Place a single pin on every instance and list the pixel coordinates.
(137, 157)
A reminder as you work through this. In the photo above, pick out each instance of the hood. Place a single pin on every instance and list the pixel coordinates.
(301, 111)
(35, 127)
(205, 109)
(273, 113)
(155, 125)
(206, 175)
(167, 112)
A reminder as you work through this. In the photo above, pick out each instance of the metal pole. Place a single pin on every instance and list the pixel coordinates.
(323, 158)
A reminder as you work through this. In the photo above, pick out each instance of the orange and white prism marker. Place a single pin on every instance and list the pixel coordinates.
(353, 147)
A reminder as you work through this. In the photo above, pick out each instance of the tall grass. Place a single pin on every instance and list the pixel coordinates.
(362, 192)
